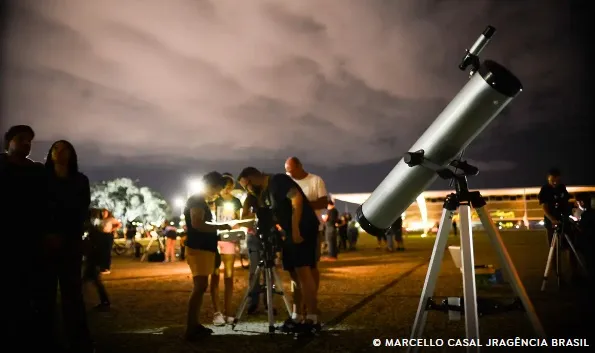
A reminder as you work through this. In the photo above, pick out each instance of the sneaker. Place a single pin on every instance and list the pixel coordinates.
(218, 319)
(289, 326)
(230, 320)
(105, 272)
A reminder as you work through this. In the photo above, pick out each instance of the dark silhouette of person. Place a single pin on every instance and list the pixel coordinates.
(68, 197)
(22, 214)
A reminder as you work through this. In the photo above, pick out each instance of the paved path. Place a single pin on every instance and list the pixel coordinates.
(365, 295)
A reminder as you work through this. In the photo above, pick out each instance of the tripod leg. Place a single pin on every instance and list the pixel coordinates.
(576, 254)
(246, 297)
(469, 286)
(279, 286)
(548, 264)
(147, 249)
(510, 270)
(431, 276)
(269, 287)
(558, 260)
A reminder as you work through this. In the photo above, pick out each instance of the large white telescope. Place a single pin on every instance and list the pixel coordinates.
(490, 89)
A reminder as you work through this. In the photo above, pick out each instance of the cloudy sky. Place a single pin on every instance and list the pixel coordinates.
(159, 90)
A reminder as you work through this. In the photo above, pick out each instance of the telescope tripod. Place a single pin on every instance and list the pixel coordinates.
(273, 285)
(464, 200)
(555, 246)
(150, 244)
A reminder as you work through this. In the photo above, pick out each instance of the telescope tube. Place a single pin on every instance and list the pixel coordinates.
(488, 91)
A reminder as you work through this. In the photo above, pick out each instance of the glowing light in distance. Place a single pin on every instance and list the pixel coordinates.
(195, 186)
(179, 202)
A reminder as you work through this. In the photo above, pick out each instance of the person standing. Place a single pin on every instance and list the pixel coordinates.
(254, 248)
(298, 220)
(69, 197)
(342, 231)
(201, 249)
(227, 208)
(352, 232)
(314, 188)
(171, 236)
(554, 199)
(22, 192)
(330, 231)
(108, 224)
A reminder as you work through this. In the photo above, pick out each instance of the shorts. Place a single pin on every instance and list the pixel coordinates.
(300, 255)
(201, 262)
(228, 261)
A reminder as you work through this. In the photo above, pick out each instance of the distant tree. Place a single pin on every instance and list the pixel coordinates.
(129, 202)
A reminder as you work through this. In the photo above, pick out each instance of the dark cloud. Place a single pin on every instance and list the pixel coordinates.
(340, 82)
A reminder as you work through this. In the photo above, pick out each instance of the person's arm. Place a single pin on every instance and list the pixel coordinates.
(85, 199)
(197, 219)
(237, 208)
(322, 201)
(247, 210)
(116, 224)
(297, 203)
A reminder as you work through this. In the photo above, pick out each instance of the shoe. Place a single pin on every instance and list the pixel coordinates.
(197, 332)
(309, 328)
(289, 326)
(105, 272)
(230, 320)
(218, 319)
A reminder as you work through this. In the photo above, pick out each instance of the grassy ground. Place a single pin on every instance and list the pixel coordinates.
(368, 294)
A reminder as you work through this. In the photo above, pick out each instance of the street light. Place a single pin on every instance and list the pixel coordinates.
(179, 203)
(195, 186)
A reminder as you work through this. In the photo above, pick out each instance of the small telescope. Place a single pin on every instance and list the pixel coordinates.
(490, 89)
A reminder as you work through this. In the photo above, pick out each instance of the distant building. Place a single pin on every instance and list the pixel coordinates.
(509, 208)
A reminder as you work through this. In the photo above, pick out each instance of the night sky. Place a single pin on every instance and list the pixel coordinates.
(162, 90)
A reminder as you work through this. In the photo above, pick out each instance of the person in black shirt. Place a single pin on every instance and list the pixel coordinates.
(201, 244)
(68, 197)
(554, 199)
(254, 247)
(397, 232)
(586, 226)
(22, 193)
(298, 220)
(330, 230)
